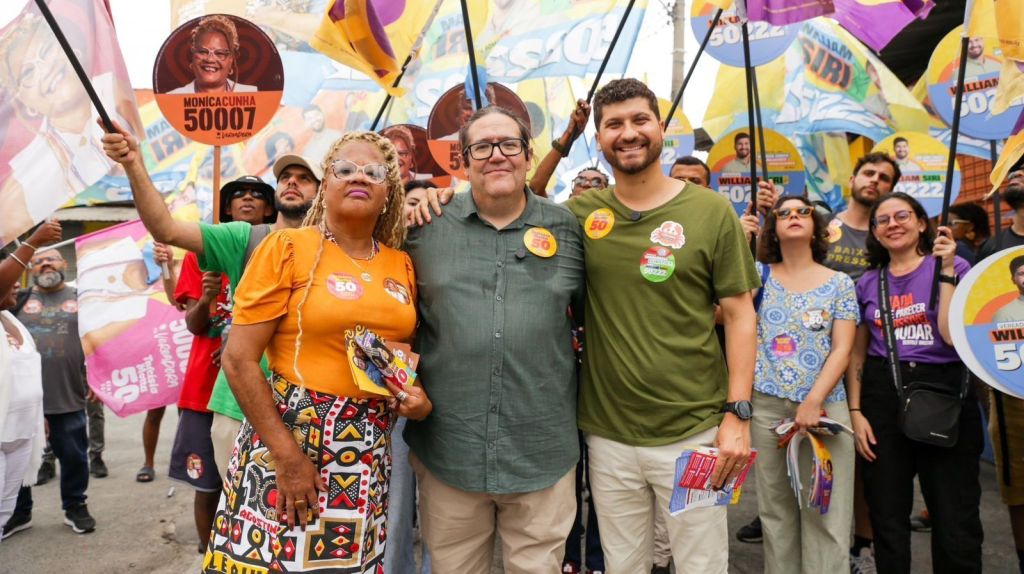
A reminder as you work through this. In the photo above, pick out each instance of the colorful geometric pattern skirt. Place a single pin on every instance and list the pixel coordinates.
(349, 440)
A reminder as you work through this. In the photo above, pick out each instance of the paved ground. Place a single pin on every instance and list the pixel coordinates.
(143, 530)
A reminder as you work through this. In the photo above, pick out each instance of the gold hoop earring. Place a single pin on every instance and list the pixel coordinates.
(385, 210)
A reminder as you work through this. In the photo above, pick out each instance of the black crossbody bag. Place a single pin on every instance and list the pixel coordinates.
(929, 412)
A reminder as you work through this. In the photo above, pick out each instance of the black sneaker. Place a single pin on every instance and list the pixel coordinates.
(47, 472)
(19, 521)
(97, 467)
(751, 532)
(78, 518)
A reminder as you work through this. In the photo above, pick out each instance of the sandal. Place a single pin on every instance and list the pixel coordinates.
(145, 474)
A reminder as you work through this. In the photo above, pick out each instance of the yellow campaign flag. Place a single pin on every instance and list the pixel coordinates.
(729, 99)
(980, 18)
(723, 4)
(373, 38)
(1013, 150)
(1010, 26)
(1011, 86)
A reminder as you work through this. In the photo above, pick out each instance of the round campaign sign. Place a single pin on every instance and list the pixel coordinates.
(987, 320)
(218, 79)
(767, 42)
(451, 111)
(981, 79)
(678, 135)
(922, 160)
(729, 160)
(414, 159)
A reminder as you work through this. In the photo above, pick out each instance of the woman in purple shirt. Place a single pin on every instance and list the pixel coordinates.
(904, 245)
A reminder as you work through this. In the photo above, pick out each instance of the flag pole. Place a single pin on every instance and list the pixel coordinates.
(996, 203)
(216, 184)
(693, 66)
(472, 54)
(749, 72)
(387, 99)
(611, 48)
(760, 126)
(950, 164)
(79, 71)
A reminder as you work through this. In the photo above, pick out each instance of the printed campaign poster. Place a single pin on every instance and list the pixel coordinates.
(987, 320)
(767, 41)
(981, 79)
(218, 79)
(679, 138)
(452, 110)
(136, 344)
(414, 159)
(729, 160)
(922, 160)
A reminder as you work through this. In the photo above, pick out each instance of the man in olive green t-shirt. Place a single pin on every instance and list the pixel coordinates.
(658, 253)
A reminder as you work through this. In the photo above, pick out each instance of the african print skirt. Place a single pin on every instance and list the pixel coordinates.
(349, 440)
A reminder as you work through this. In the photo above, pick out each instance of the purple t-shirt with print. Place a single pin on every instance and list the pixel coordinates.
(917, 327)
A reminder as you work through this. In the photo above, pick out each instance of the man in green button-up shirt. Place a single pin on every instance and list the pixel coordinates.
(496, 276)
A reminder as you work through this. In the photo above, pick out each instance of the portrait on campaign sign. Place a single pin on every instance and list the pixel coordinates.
(452, 110)
(218, 79)
(767, 41)
(981, 81)
(987, 320)
(730, 157)
(922, 160)
(414, 158)
(679, 138)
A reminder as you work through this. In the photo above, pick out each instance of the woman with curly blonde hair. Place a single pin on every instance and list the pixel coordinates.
(307, 486)
(214, 55)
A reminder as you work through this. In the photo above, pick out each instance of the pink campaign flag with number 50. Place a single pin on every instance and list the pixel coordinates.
(136, 344)
(50, 148)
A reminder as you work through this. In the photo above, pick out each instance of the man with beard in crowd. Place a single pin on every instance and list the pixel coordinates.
(50, 313)
(1013, 234)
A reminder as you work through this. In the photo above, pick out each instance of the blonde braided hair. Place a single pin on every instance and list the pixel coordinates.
(389, 230)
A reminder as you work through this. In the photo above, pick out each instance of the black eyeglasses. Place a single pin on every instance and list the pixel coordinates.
(901, 216)
(484, 150)
(785, 212)
(581, 181)
(255, 193)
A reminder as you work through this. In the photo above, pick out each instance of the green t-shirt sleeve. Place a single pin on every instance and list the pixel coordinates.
(224, 248)
(734, 271)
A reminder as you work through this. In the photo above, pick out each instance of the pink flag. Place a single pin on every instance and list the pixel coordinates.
(782, 12)
(49, 142)
(136, 343)
(876, 22)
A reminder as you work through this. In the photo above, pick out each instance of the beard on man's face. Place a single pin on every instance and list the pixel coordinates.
(48, 279)
(292, 211)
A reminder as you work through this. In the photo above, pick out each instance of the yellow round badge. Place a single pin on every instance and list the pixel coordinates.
(599, 223)
(540, 242)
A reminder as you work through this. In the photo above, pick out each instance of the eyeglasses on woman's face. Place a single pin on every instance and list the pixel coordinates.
(785, 212)
(901, 216)
(344, 169)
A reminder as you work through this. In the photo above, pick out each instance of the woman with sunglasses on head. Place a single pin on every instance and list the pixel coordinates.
(904, 252)
(806, 323)
(314, 450)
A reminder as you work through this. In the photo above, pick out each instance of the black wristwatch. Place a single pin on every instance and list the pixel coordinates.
(953, 280)
(742, 409)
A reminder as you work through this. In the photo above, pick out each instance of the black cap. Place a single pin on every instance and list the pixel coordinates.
(246, 182)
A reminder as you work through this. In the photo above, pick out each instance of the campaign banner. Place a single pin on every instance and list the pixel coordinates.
(218, 79)
(136, 343)
(679, 139)
(987, 320)
(922, 160)
(981, 82)
(729, 160)
(767, 41)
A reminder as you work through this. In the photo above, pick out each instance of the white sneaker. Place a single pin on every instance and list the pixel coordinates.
(863, 563)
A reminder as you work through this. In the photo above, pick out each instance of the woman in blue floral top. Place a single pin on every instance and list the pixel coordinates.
(806, 325)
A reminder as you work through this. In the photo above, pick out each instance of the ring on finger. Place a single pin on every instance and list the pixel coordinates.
(401, 396)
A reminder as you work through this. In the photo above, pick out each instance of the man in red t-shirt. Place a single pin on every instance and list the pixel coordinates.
(207, 311)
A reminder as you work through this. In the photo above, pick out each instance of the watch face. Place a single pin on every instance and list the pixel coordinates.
(744, 409)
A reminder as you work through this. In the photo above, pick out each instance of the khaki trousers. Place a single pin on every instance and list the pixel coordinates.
(223, 433)
(628, 484)
(458, 527)
(801, 541)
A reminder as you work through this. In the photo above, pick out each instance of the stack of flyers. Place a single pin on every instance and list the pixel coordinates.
(786, 428)
(372, 360)
(692, 486)
(821, 472)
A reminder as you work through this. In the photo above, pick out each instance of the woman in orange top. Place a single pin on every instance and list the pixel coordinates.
(314, 448)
